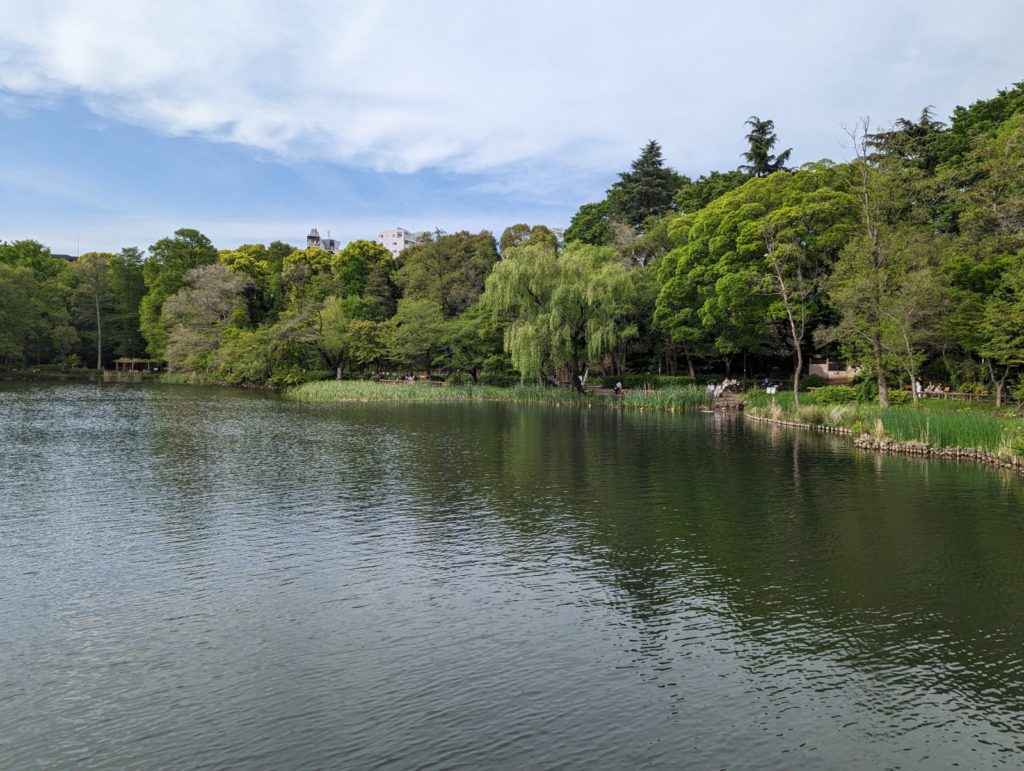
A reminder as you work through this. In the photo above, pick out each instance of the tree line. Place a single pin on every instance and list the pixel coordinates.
(905, 260)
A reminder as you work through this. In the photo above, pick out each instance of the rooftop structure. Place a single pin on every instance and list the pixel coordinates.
(396, 239)
(328, 244)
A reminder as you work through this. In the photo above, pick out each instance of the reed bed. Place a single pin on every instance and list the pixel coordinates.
(328, 391)
(945, 425)
(981, 430)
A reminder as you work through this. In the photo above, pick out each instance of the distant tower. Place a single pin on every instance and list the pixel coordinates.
(313, 239)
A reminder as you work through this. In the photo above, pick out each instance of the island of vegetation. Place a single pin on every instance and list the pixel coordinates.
(906, 262)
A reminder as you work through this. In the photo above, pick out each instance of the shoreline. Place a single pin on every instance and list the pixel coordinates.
(887, 446)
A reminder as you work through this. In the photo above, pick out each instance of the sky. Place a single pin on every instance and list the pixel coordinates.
(254, 121)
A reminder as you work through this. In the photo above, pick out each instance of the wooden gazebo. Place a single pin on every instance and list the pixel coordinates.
(136, 365)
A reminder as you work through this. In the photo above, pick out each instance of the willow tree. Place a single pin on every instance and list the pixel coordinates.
(562, 311)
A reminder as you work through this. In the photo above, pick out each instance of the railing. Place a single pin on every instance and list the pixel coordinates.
(403, 381)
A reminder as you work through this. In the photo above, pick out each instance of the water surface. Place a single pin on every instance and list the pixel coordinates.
(201, 577)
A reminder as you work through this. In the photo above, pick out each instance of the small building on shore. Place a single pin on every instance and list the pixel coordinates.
(832, 370)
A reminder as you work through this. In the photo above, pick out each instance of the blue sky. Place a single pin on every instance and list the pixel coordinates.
(254, 121)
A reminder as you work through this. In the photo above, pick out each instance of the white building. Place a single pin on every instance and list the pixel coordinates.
(396, 239)
(327, 244)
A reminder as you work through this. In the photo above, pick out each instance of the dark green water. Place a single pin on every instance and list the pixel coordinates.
(196, 578)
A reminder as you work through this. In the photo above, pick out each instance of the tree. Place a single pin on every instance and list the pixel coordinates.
(92, 270)
(591, 224)
(450, 270)
(646, 190)
(417, 330)
(801, 240)
(471, 339)
(694, 195)
(561, 310)
(196, 316)
(1002, 327)
(164, 273)
(354, 264)
(17, 314)
(751, 258)
(331, 325)
(762, 140)
(126, 288)
(916, 145)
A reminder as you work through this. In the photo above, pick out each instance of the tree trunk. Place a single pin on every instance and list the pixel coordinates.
(796, 376)
(689, 361)
(883, 385)
(1000, 387)
(99, 335)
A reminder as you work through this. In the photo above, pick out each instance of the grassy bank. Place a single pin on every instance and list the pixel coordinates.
(938, 424)
(328, 391)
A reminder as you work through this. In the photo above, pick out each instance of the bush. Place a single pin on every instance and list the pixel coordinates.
(813, 381)
(498, 371)
(867, 389)
(900, 398)
(294, 376)
(835, 394)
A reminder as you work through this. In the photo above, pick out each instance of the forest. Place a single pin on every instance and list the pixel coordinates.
(906, 261)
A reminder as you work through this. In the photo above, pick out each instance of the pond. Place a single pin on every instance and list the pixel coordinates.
(210, 577)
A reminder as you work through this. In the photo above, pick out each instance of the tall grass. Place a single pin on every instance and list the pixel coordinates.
(674, 398)
(981, 430)
(325, 391)
(939, 424)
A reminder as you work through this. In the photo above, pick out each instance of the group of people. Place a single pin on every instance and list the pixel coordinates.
(717, 390)
(931, 388)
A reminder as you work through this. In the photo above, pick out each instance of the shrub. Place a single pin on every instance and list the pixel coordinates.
(900, 398)
(835, 394)
(498, 371)
(867, 389)
(813, 381)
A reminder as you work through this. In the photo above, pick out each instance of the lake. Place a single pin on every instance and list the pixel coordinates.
(198, 577)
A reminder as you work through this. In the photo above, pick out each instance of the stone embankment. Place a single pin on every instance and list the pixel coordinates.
(886, 446)
(893, 447)
(796, 424)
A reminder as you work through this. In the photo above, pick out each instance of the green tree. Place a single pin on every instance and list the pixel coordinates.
(196, 316)
(694, 195)
(1002, 327)
(354, 264)
(449, 270)
(591, 224)
(561, 311)
(164, 273)
(761, 141)
(126, 289)
(417, 332)
(752, 258)
(646, 190)
(92, 271)
(18, 319)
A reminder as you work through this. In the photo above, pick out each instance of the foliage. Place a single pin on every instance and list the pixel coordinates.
(449, 271)
(164, 273)
(561, 310)
(835, 394)
(762, 140)
(645, 191)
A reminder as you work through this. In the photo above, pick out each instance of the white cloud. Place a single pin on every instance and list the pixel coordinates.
(559, 89)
